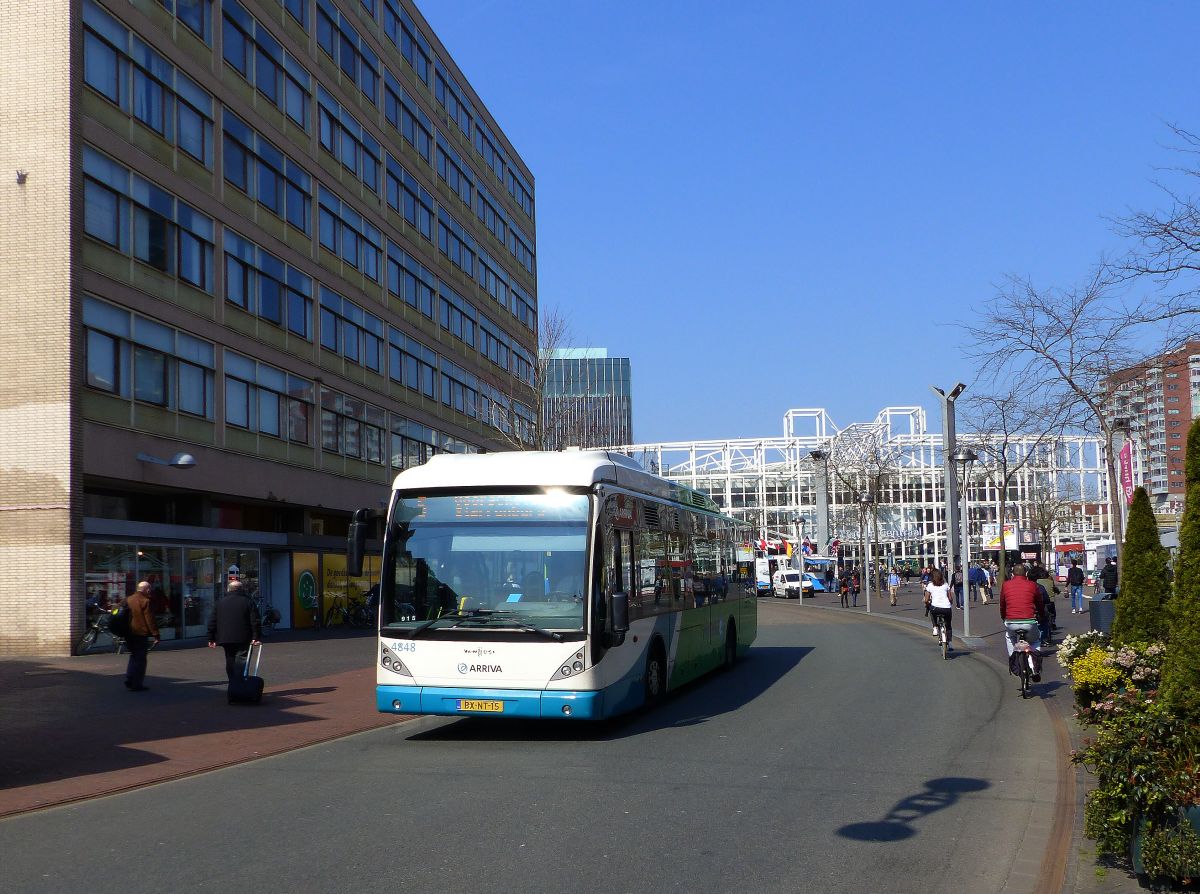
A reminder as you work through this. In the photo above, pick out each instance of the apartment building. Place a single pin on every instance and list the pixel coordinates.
(1157, 401)
(258, 256)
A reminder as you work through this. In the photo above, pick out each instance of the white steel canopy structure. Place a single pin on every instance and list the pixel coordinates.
(779, 484)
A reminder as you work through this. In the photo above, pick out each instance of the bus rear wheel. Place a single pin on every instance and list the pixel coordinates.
(656, 675)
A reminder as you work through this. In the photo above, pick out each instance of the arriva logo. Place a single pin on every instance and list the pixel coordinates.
(480, 669)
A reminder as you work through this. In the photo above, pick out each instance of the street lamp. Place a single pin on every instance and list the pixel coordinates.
(865, 502)
(798, 521)
(949, 442)
(963, 457)
(178, 461)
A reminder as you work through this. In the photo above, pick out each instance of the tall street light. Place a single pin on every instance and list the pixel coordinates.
(798, 521)
(963, 457)
(865, 502)
(949, 442)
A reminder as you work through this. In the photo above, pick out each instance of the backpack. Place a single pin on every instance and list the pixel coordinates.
(120, 622)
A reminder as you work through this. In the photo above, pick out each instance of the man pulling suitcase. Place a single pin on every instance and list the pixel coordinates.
(235, 625)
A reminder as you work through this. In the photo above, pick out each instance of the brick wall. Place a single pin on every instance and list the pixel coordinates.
(40, 575)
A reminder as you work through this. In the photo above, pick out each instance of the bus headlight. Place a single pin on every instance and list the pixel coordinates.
(389, 660)
(572, 666)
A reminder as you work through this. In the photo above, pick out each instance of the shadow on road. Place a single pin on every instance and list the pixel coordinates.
(901, 819)
(711, 696)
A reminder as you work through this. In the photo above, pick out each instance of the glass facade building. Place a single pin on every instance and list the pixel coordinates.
(283, 237)
(588, 399)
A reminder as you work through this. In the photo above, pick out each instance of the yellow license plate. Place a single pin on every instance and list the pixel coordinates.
(486, 707)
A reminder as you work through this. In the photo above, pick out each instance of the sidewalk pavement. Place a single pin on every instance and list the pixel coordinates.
(1085, 872)
(70, 730)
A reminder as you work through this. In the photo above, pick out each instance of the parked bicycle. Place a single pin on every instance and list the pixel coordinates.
(98, 637)
(354, 614)
(268, 615)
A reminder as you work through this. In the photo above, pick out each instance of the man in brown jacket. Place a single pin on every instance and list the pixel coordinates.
(143, 632)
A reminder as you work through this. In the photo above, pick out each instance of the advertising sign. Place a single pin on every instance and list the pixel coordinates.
(991, 536)
(1126, 457)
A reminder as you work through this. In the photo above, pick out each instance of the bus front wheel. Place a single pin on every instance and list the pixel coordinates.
(656, 675)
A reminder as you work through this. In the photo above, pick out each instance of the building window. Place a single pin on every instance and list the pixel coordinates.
(487, 209)
(261, 171)
(350, 331)
(357, 60)
(410, 280)
(263, 399)
(139, 219)
(456, 243)
(460, 389)
(345, 233)
(518, 247)
(121, 67)
(457, 316)
(449, 95)
(137, 358)
(403, 34)
(298, 10)
(258, 57)
(405, 116)
(347, 141)
(492, 278)
(412, 443)
(494, 344)
(450, 167)
(351, 427)
(486, 146)
(409, 198)
(519, 191)
(195, 14)
(262, 284)
(522, 309)
(411, 364)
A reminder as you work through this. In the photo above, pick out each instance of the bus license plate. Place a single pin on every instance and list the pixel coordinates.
(478, 705)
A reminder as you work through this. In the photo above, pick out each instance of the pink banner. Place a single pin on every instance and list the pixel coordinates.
(1126, 457)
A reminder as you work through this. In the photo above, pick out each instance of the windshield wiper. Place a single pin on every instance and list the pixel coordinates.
(488, 614)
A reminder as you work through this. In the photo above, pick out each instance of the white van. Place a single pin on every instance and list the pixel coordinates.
(786, 583)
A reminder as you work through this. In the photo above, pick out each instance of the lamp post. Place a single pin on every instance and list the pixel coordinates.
(865, 502)
(963, 457)
(178, 461)
(798, 521)
(949, 442)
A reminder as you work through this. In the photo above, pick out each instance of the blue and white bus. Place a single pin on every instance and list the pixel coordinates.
(565, 585)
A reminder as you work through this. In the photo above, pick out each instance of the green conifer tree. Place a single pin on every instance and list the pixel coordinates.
(1181, 667)
(1145, 585)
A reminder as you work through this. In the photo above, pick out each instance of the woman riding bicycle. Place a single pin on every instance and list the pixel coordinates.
(1020, 607)
(937, 597)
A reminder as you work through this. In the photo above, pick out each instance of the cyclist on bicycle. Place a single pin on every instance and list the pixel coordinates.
(937, 597)
(1020, 608)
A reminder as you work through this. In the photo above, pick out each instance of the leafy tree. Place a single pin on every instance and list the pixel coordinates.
(1144, 581)
(1181, 668)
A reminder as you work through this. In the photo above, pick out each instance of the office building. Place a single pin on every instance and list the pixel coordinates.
(258, 256)
(588, 399)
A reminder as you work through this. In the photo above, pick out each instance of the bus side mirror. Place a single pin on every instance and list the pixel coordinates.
(356, 542)
(620, 617)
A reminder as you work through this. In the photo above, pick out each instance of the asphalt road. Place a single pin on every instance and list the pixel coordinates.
(843, 755)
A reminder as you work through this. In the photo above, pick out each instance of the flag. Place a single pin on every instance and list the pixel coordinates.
(788, 546)
(807, 547)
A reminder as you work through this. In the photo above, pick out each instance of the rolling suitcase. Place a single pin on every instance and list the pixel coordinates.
(248, 688)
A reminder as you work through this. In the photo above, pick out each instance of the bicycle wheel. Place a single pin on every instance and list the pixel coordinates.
(945, 641)
(1025, 674)
(87, 640)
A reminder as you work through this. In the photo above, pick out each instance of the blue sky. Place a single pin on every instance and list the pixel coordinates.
(777, 204)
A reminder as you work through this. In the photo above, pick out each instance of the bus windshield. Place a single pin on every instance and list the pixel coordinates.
(486, 562)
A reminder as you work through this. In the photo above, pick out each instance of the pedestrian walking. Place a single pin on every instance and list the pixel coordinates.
(1075, 583)
(143, 633)
(844, 588)
(893, 583)
(957, 583)
(234, 625)
(1108, 578)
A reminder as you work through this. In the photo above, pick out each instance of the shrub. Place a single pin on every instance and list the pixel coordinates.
(1094, 677)
(1144, 580)
(1074, 646)
(1181, 670)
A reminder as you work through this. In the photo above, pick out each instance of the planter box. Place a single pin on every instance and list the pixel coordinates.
(1192, 814)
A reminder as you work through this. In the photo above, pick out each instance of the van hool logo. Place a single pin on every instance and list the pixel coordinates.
(480, 669)
(479, 651)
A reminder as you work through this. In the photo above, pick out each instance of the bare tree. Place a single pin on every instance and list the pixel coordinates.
(1007, 428)
(864, 460)
(1068, 345)
(520, 413)
(1048, 507)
